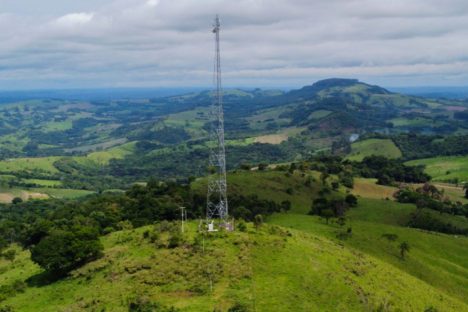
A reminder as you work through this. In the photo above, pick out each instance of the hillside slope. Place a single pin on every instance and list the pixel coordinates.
(293, 262)
(290, 270)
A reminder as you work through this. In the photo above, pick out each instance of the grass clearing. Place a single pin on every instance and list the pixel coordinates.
(436, 259)
(43, 182)
(319, 114)
(62, 193)
(118, 152)
(44, 164)
(383, 147)
(368, 188)
(446, 168)
(271, 185)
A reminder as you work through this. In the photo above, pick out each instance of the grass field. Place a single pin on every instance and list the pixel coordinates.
(44, 164)
(118, 152)
(436, 259)
(273, 186)
(368, 188)
(445, 168)
(319, 114)
(405, 122)
(62, 193)
(384, 147)
(43, 182)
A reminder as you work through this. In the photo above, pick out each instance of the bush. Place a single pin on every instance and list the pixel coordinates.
(143, 304)
(390, 237)
(351, 200)
(238, 307)
(175, 240)
(241, 226)
(64, 250)
(17, 200)
(9, 255)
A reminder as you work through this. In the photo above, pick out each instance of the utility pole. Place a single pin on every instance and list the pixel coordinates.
(184, 217)
(217, 204)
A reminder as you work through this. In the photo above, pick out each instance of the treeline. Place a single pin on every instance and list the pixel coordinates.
(416, 146)
(386, 171)
(429, 197)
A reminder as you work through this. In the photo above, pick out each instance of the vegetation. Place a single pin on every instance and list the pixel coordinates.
(316, 216)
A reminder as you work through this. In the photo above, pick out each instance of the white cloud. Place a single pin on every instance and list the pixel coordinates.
(75, 19)
(264, 43)
(152, 3)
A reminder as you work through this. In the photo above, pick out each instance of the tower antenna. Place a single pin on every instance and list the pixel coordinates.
(217, 204)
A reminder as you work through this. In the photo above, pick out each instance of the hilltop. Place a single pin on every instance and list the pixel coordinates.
(294, 261)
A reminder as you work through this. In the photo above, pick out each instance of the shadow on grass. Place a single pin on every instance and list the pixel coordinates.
(42, 279)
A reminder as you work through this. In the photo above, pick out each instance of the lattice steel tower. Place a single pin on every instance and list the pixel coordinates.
(217, 204)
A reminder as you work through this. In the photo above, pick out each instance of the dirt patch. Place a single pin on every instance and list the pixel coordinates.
(30, 195)
(455, 108)
(6, 198)
(271, 138)
(369, 189)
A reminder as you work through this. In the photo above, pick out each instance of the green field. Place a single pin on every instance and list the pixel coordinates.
(319, 114)
(445, 168)
(118, 152)
(436, 259)
(62, 193)
(405, 122)
(43, 182)
(273, 186)
(383, 147)
(44, 164)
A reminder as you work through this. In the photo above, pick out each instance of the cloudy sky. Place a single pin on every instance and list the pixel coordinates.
(265, 43)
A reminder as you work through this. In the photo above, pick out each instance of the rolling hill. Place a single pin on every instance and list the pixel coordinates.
(294, 262)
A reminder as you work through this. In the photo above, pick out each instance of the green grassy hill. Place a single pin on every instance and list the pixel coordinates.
(369, 147)
(294, 262)
(293, 270)
(445, 168)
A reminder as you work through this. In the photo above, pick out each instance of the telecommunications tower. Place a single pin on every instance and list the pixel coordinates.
(217, 205)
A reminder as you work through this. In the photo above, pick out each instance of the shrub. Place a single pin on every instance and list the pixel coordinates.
(175, 240)
(390, 237)
(351, 200)
(238, 307)
(258, 221)
(9, 255)
(241, 226)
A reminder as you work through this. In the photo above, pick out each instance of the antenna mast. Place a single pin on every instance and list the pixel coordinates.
(217, 205)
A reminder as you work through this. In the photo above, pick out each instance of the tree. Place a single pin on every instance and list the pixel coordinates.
(17, 200)
(335, 185)
(327, 214)
(351, 200)
(285, 205)
(64, 250)
(262, 167)
(258, 221)
(404, 249)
